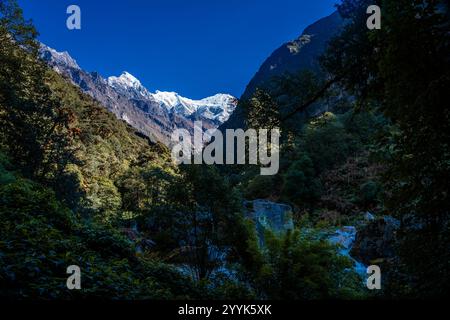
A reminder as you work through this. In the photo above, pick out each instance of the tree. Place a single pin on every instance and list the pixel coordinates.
(296, 266)
(263, 112)
(300, 185)
(197, 221)
(35, 128)
(404, 71)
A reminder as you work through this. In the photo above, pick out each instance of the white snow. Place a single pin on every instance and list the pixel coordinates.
(218, 107)
(129, 85)
(126, 80)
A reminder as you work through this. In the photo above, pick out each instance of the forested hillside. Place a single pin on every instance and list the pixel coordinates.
(381, 146)
(363, 179)
(63, 157)
(79, 187)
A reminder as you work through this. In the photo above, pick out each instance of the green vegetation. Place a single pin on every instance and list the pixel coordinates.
(40, 238)
(404, 72)
(78, 186)
(296, 266)
(384, 145)
(325, 164)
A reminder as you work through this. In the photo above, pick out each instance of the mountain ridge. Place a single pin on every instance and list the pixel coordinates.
(292, 57)
(299, 54)
(131, 102)
(216, 108)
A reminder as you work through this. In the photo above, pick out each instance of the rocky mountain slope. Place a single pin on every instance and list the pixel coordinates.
(292, 57)
(155, 115)
(299, 54)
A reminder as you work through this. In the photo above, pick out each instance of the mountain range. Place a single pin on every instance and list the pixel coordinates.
(155, 115)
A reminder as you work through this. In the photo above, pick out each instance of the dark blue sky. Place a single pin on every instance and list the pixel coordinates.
(195, 47)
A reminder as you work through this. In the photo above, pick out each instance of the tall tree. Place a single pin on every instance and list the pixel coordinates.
(35, 127)
(404, 71)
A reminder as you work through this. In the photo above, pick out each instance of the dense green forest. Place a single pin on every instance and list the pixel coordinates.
(80, 187)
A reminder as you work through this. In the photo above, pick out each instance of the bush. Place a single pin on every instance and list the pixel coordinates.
(40, 238)
(300, 185)
(260, 187)
(298, 267)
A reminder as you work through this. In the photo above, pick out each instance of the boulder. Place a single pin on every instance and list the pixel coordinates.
(271, 216)
(368, 217)
(376, 241)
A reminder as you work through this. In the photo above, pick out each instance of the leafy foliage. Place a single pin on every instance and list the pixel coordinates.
(40, 238)
(404, 71)
(299, 267)
(78, 186)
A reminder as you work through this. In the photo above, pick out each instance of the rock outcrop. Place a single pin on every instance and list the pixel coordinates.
(375, 242)
(271, 216)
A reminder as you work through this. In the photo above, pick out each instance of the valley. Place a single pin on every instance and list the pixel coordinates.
(104, 174)
(155, 115)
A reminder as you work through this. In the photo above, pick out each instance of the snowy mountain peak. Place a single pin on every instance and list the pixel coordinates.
(220, 98)
(129, 85)
(126, 97)
(56, 58)
(217, 108)
(126, 80)
(167, 99)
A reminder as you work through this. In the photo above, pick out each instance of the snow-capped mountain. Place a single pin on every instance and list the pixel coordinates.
(154, 114)
(128, 84)
(217, 108)
(59, 58)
